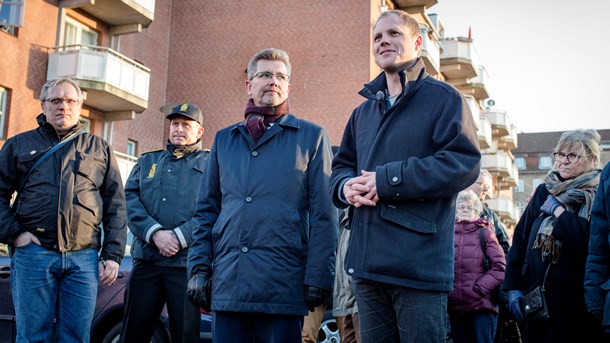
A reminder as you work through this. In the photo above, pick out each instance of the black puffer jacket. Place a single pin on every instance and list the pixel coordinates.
(69, 197)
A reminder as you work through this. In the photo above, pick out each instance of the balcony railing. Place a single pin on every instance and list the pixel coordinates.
(415, 3)
(459, 60)
(430, 51)
(126, 164)
(499, 163)
(115, 84)
(476, 85)
(474, 109)
(117, 12)
(503, 207)
(484, 133)
(509, 141)
(501, 122)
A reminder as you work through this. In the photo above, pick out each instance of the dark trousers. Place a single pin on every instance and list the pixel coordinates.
(151, 287)
(241, 327)
(390, 313)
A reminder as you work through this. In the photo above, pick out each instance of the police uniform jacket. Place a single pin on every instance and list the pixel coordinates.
(161, 194)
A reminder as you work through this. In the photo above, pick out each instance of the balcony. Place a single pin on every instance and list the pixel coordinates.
(475, 86)
(114, 83)
(459, 60)
(430, 51)
(484, 133)
(501, 123)
(503, 207)
(499, 164)
(509, 180)
(126, 164)
(117, 12)
(474, 109)
(509, 141)
(415, 3)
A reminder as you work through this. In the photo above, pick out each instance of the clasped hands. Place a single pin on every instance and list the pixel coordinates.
(361, 190)
(167, 242)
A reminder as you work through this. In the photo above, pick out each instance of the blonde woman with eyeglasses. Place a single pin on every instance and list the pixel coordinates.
(550, 244)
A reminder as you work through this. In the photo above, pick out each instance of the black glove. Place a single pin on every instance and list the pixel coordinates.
(199, 290)
(315, 297)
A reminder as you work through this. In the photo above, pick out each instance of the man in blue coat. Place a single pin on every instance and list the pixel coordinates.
(407, 151)
(266, 227)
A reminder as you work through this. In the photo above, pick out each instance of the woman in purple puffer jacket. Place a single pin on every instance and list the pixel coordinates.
(472, 311)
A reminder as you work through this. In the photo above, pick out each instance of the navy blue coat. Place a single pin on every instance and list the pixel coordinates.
(597, 276)
(161, 194)
(266, 223)
(424, 150)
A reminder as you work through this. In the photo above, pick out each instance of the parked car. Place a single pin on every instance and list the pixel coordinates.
(109, 309)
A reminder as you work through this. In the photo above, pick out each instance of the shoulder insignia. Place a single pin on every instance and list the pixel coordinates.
(151, 172)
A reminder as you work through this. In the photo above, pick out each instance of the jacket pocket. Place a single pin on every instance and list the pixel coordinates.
(407, 219)
(91, 168)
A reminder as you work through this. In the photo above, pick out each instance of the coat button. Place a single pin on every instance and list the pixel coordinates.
(254, 153)
(169, 170)
(248, 199)
(394, 179)
(244, 249)
(350, 270)
(163, 199)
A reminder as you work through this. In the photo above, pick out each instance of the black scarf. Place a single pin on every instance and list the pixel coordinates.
(258, 118)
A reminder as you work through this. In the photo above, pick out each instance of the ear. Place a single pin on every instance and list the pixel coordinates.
(418, 42)
(248, 86)
(200, 132)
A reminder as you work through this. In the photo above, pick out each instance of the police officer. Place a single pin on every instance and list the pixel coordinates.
(161, 194)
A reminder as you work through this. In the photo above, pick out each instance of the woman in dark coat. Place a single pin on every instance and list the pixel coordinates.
(471, 307)
(553, 233)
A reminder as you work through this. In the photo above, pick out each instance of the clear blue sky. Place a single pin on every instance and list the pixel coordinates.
(548, 61)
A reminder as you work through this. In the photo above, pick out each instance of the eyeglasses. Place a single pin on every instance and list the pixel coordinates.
(465, 207)
(572, 158)
(265, 75)
(57, 101)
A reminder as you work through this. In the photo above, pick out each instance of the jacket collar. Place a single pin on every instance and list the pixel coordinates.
(50, 131)
(410, 78)
(285, 121)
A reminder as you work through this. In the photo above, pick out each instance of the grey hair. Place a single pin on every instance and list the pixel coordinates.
(468, 195)
(269, 54)
(587, 140)
(53, 83)
(407, 19)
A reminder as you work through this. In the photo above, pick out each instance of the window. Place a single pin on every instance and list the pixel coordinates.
(535, 183)
(520, 163)
(520, 186)
(86, 123)
(132, 148)
(11, 13)
(3, 106)
(545, 162)
(76, 33)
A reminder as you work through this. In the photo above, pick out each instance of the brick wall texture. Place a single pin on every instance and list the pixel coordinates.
(198, 51)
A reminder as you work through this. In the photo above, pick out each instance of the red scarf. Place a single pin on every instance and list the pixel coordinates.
(259, 118)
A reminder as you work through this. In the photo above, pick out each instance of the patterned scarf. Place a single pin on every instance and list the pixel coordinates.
(258, 118)
(572, 193)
